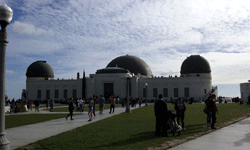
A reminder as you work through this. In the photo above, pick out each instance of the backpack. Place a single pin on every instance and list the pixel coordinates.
(205, 110)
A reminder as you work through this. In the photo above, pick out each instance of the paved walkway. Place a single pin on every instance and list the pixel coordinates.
(24, 135)
(232, 137)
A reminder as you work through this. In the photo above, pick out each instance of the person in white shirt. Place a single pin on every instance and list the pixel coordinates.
(80, 101)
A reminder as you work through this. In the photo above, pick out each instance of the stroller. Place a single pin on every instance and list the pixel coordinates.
(172, 124)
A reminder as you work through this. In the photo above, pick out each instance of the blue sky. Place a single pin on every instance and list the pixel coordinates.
(77, 35)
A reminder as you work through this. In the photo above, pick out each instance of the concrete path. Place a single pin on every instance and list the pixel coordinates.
(232, 137)
(24, 135)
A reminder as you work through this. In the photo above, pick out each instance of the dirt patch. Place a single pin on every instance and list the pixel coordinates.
(175, 142)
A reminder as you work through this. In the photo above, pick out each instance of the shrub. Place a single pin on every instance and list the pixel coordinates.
(20, 107)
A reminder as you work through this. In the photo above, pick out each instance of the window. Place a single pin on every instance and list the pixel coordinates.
(165, 92)
(155, 92)
(47, 94)
(39, 93)
(176, 92)
(205, 91)
(74, 93)
(65, 93)
(56, 93)
(144, 92)
(186, 92)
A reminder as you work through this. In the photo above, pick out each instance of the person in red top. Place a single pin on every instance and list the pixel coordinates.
(112, 103)
(30, 103)
(213, 109)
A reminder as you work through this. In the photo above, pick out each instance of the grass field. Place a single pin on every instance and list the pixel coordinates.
(136, 130)
(12, 121)
(65, 109)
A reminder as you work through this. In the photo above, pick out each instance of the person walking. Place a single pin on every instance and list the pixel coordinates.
(12, 106)
(90, 112)
(71, 109)
(31, 103)
(37, 105)
(140, 101)
(180, 111)
(161, 115)
(213, 109)
(46, 103)
(112, 104)
(95, 101)
(51, 105)
(83, 104)
(80, 105)
(101, 104)
(208, 112)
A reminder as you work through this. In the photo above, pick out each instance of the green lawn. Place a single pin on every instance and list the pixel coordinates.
(136, 130)
(12, 121)
(65, 109)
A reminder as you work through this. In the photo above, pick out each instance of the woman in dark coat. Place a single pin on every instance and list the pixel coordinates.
(213, 109)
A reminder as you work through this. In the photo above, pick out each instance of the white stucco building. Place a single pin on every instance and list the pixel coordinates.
(194, 82)
(245, 91)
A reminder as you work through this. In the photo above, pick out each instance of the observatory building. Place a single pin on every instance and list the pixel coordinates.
(124, 74)
(245, 91)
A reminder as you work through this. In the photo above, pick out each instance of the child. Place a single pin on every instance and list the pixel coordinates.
(90, 113)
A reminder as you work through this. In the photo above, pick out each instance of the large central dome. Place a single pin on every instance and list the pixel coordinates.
(133, 64)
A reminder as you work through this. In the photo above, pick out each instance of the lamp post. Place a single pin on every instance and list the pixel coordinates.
(6, 14)
(127, 107)
(146, 85)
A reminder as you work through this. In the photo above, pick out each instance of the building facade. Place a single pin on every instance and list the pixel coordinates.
(245, 91)
(124, 74)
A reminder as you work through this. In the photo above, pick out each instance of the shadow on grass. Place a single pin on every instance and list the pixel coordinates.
(147, 136)
(195, 126)
(143, 136)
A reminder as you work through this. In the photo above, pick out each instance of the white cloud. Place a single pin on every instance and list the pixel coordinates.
(9, 72)
(30, 29)
(89, 34)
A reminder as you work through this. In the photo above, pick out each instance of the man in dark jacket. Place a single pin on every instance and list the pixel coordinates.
(161, 114)
(71, 109)
(180, 111)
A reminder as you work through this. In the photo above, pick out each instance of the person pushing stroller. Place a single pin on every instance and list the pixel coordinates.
(180, 111)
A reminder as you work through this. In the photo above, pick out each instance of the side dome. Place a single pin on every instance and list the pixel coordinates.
(195, 64)
(133, 64)
(40, 69)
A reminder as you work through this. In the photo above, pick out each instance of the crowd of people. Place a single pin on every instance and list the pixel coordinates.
(161, 111)
(165, 119)
(135, 101)
(14, 107)
(236, 99)
(92, 101)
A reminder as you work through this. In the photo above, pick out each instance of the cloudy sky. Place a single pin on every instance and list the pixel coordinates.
(77, 35)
